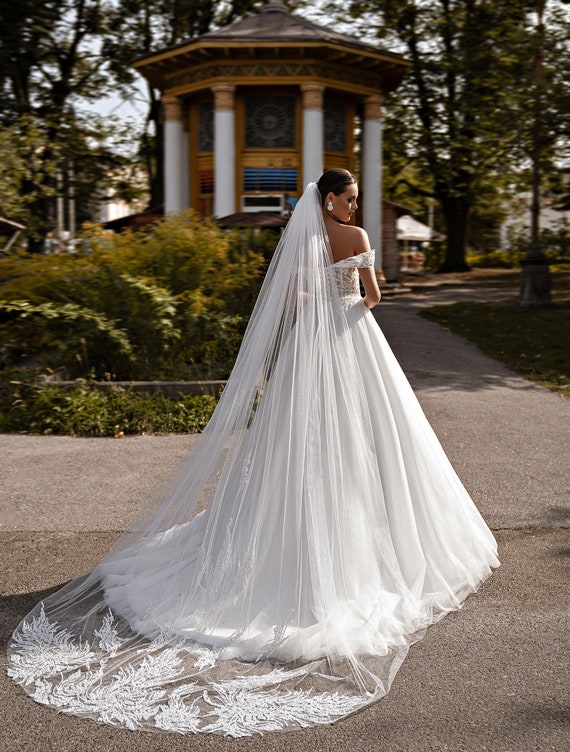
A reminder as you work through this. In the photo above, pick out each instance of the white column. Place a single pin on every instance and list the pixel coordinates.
(173, 161)
(224, 150)
(372, 174)
(185, 155)
(313, 132)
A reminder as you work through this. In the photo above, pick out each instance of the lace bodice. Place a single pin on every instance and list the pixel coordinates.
(346, 276)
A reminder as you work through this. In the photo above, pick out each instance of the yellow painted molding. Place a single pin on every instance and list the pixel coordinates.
(373, 107)
(171, 107)
(224, 96)
(313, 95)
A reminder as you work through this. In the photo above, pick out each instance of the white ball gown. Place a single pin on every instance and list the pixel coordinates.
(314, 532)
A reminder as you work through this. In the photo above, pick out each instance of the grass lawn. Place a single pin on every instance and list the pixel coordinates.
(534, 343)
(505, 278)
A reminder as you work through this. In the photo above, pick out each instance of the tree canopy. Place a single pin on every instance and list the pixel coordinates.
(460, 126)
(57, 55)
(461, 131)
(53, 58)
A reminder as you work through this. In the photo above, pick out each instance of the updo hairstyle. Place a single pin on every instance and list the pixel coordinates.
(335, 180)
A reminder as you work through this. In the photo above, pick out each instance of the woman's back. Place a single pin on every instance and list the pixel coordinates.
(347, 241)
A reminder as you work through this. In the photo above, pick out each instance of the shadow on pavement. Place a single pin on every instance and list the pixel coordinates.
(15, 607)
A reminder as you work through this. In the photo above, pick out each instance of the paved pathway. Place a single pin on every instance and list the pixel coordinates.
(491, 677)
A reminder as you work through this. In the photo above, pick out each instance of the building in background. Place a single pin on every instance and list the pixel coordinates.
(255, 110)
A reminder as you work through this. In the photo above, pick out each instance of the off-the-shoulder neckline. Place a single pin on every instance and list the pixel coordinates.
(356, 255)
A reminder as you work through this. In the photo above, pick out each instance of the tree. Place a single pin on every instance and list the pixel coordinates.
(455, 110)
(24, 174)
(24, 27)
(545, 131)
(53, 57)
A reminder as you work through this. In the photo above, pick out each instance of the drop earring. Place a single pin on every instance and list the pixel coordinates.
(330, 206)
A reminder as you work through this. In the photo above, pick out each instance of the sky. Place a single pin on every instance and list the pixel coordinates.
(119, 107)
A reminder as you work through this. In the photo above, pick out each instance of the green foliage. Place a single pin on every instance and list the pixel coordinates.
(25, 176)
(24, 173)
(435, 256)
(87, 411)
(554, 243)
(81, 156)
(464, 121)
(495, 259)
(167, 304)
(53, 58)
(52, 51)
(71, 312)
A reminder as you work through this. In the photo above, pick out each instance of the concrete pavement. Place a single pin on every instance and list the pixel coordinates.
(492, 676)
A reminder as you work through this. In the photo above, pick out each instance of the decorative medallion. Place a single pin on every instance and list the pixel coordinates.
(270, 122)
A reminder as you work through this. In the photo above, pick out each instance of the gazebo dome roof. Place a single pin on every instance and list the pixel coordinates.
(273, 32)
(275, 23)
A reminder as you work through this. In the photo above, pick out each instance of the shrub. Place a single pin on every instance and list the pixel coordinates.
(495, 259)
(85, 410)
(133, 305)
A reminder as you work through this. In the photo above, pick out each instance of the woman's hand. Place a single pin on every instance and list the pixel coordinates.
(372, 300)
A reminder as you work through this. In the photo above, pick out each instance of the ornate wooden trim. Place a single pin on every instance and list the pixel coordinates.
(373, 107)
(171, 107)
(280, 73)
(313, 96)
(224, 96)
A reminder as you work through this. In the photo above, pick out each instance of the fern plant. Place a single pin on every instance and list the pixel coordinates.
(166, 304)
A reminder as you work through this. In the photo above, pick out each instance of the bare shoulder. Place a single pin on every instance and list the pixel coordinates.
(359, 239)
(347, 240)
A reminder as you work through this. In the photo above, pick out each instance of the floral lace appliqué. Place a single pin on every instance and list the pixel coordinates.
(44, 649)
(108, 635)
(147, 690)
(347, 279)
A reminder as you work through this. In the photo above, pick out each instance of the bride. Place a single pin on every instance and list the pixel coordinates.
(308, 539)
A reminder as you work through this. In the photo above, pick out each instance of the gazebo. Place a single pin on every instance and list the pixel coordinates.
(256, 109)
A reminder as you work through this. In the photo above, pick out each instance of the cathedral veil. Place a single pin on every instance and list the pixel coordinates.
(268, 584)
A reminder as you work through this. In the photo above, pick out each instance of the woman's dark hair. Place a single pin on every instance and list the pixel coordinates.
(337, 180)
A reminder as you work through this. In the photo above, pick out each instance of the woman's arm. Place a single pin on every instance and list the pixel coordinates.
(372, 291)
(368, 275)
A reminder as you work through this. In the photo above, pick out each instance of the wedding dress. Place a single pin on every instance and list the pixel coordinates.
(314, 532)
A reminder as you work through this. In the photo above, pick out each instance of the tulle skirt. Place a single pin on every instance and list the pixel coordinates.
(295, 606)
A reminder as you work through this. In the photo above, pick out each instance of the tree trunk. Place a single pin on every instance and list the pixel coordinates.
(456, 214)
(154, 150)
(535, 274)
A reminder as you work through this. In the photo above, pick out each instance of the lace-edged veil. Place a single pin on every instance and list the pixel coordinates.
(288, 355)
(226, 596)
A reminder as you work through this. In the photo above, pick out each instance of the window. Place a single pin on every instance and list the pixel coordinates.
(206, 126)
(335, 125)
(270, 122)
(267, 179)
